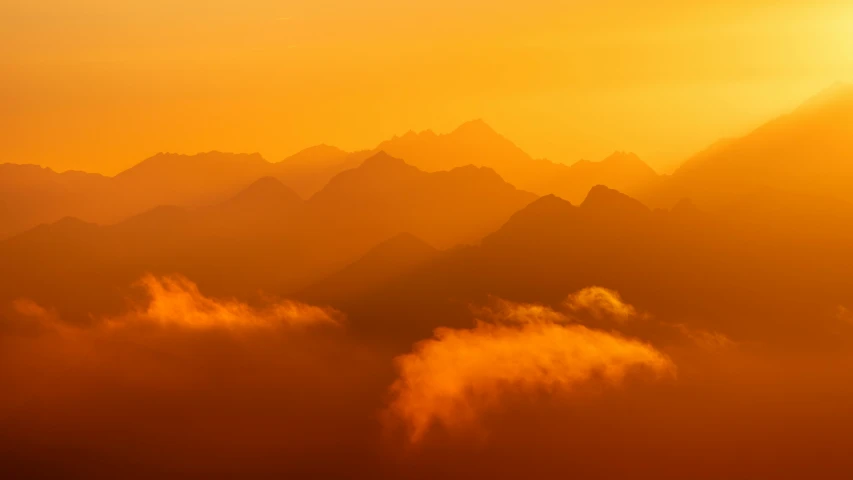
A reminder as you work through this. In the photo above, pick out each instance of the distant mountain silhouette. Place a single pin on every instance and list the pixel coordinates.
(385, 262)
(805, 155)
(316, 156)
(43, 196)
(308, 171)
(608, 201)
(191, 179)
(264, 238)
(621, 170)
(14, 176)
(685, 265)
(806, 152)
(385, 195)
(265, 193)
(473, 142)
(30, 195)
(477, 143)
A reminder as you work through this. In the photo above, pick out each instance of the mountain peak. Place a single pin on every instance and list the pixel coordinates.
(539, 219)
(621, 168)
(211, 155)
(619, 157)
(324, 148)
(161, 216)
(26, 167)
(378, 172)
(317, 154)
(265, 191)
(603, 199)
(165, 164)
(65, 227)
(382, 263)
(473, 172)
(476, 128)
(382, 160)
(547, 206)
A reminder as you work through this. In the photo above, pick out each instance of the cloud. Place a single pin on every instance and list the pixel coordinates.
(504, 311)
(31, 310)
(597, 303)
(175, 300)
(600, 303)
(707, 340)
(453, 379)
(190, 371)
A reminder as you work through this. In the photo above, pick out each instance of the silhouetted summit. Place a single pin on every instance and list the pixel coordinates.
(545, 207)
(473, 142)
(383, 161)
(170, 165)
(385, 195)
(606, 201)
(476, 128)
(308, 170)
(629, 163)
(378, 175)
(212, 178)
(316, 156)
(477, 143)
(475, 175)
(17, 177)
(382, 263)
(266, 192)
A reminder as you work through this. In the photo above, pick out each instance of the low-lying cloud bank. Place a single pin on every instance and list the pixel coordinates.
(282, 387)
(455, 378)
(223, 382)
(175, 300)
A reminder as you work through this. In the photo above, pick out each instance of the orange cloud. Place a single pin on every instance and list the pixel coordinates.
(600, 303)
(452, 379)
(175, 300)
(32, 310)
(707, 340)
(504, 311)
(187, 370)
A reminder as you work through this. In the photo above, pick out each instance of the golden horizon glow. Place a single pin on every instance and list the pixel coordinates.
(98, 86)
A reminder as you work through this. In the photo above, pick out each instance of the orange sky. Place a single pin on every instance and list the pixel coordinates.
(99, 85)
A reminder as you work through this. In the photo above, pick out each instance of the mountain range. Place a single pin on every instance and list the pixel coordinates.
(731, 230)
(684, 264)
(264, 238)
(804, 155)
(440, 305)
(39, 195)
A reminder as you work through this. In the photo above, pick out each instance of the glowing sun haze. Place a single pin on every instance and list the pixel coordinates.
(99, 85)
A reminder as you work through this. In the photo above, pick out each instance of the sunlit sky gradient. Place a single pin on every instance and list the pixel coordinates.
(98, 85)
